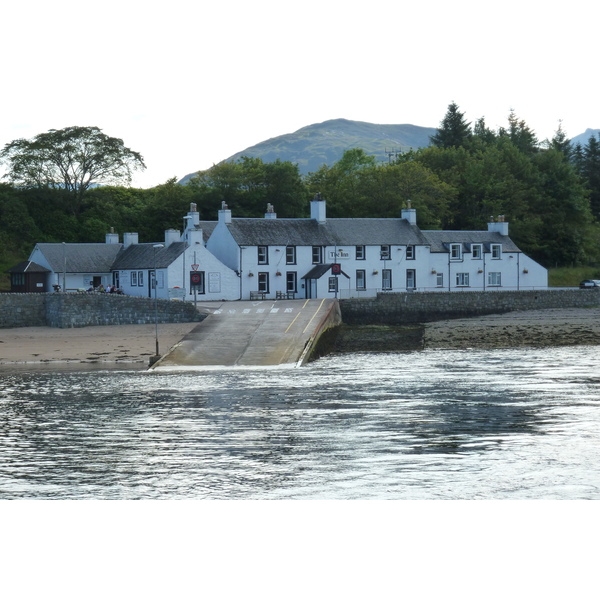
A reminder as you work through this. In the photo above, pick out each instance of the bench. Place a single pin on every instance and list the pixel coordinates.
(285, 295)
(258, 295)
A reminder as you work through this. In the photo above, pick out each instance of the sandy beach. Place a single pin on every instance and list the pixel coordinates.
(107, 347)
(129, 347)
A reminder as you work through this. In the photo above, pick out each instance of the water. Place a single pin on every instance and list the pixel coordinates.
(508, 424)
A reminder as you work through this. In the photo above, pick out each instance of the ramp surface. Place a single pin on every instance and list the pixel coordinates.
(250, 333)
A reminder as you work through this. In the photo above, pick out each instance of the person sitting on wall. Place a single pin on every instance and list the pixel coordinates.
(100, 288)
(108, 289)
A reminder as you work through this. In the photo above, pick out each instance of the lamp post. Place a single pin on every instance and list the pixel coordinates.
(156, 246)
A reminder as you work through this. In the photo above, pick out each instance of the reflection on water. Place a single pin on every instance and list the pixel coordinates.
(436, 424)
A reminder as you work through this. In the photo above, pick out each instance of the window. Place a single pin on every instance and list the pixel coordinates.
(494, 278)
(317, 255)
(133, 278)
(291, 284)
(411, 279)
(360, 253)
(385, 252)
(496, 251)
(455, 252)
(263, 282)
(476, 251)
(462, 279)
(361, 279)
(290, 255)
(333, 284)
(386, 279)
(18, 279)
(439, 280)
(263, 255)
(140, 278)
(410, 252)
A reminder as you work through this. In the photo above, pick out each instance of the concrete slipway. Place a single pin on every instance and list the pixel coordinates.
(252, 334)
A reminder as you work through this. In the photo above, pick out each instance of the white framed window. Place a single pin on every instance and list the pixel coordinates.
(439, 280)
(333, 284)
(455, 251)
(385, 252)
(476, 252)
(462, 279)
(133, 278)
(386, 279)
(263, 282)
(494, 278)
(411, 279)
(291, 284)
(361, 282)
(317, 255)
(263, 255)
(290, 255)
(140, 278)
(496, 251)
(360, 253)
(410, 252)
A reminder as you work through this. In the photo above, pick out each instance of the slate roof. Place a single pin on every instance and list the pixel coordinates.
(80, 258)
(28, 266)
(319, 270)
(340, 232)
(440, 240)
(207, 228)
(141, 256)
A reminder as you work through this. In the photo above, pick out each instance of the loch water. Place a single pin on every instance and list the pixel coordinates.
(470, 424)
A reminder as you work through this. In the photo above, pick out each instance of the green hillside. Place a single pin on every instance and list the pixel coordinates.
(325, 143)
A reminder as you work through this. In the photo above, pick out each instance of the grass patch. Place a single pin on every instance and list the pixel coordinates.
(571, 276)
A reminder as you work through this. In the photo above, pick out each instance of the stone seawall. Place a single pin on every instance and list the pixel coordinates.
(83, 310)
(424, 307)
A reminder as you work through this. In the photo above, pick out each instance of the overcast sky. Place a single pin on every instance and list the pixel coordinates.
(189, 83)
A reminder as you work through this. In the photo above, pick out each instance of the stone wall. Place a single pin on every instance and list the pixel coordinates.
(83, 310)
(22, 310)
(423, 307)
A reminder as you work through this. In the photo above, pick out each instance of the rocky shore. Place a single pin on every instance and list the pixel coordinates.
(548, 327)
(129, 347)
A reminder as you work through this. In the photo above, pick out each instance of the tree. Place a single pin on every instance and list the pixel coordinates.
(72, 159)
(247, 186)
(454, 131)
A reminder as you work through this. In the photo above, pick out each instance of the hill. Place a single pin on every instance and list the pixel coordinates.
(325, 143)
(582, 138)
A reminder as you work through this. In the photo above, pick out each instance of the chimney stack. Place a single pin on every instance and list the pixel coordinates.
(129, 239)
(224, 214)
(318, 209)
(500, 226)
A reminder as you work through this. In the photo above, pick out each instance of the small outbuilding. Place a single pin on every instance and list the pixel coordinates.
(28, 277)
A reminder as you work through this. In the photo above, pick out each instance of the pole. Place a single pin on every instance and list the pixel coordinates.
(156, 246)
(64, 267)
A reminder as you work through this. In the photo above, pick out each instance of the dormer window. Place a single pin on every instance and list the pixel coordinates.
(476, 251)
(455, 252)
(496, 251)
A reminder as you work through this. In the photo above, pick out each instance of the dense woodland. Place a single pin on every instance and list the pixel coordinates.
(548, 191)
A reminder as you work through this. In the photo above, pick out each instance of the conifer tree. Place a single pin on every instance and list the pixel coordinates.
(454, 130)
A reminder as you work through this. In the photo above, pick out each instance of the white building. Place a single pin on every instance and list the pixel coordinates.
(270, 258)
(343, 258)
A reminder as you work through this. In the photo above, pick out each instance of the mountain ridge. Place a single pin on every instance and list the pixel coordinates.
(325, 143)
(314, 145)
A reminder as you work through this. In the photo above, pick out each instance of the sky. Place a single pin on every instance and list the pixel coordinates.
(190, 83)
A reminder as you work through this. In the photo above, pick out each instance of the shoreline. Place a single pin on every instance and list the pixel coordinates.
(129, 347)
